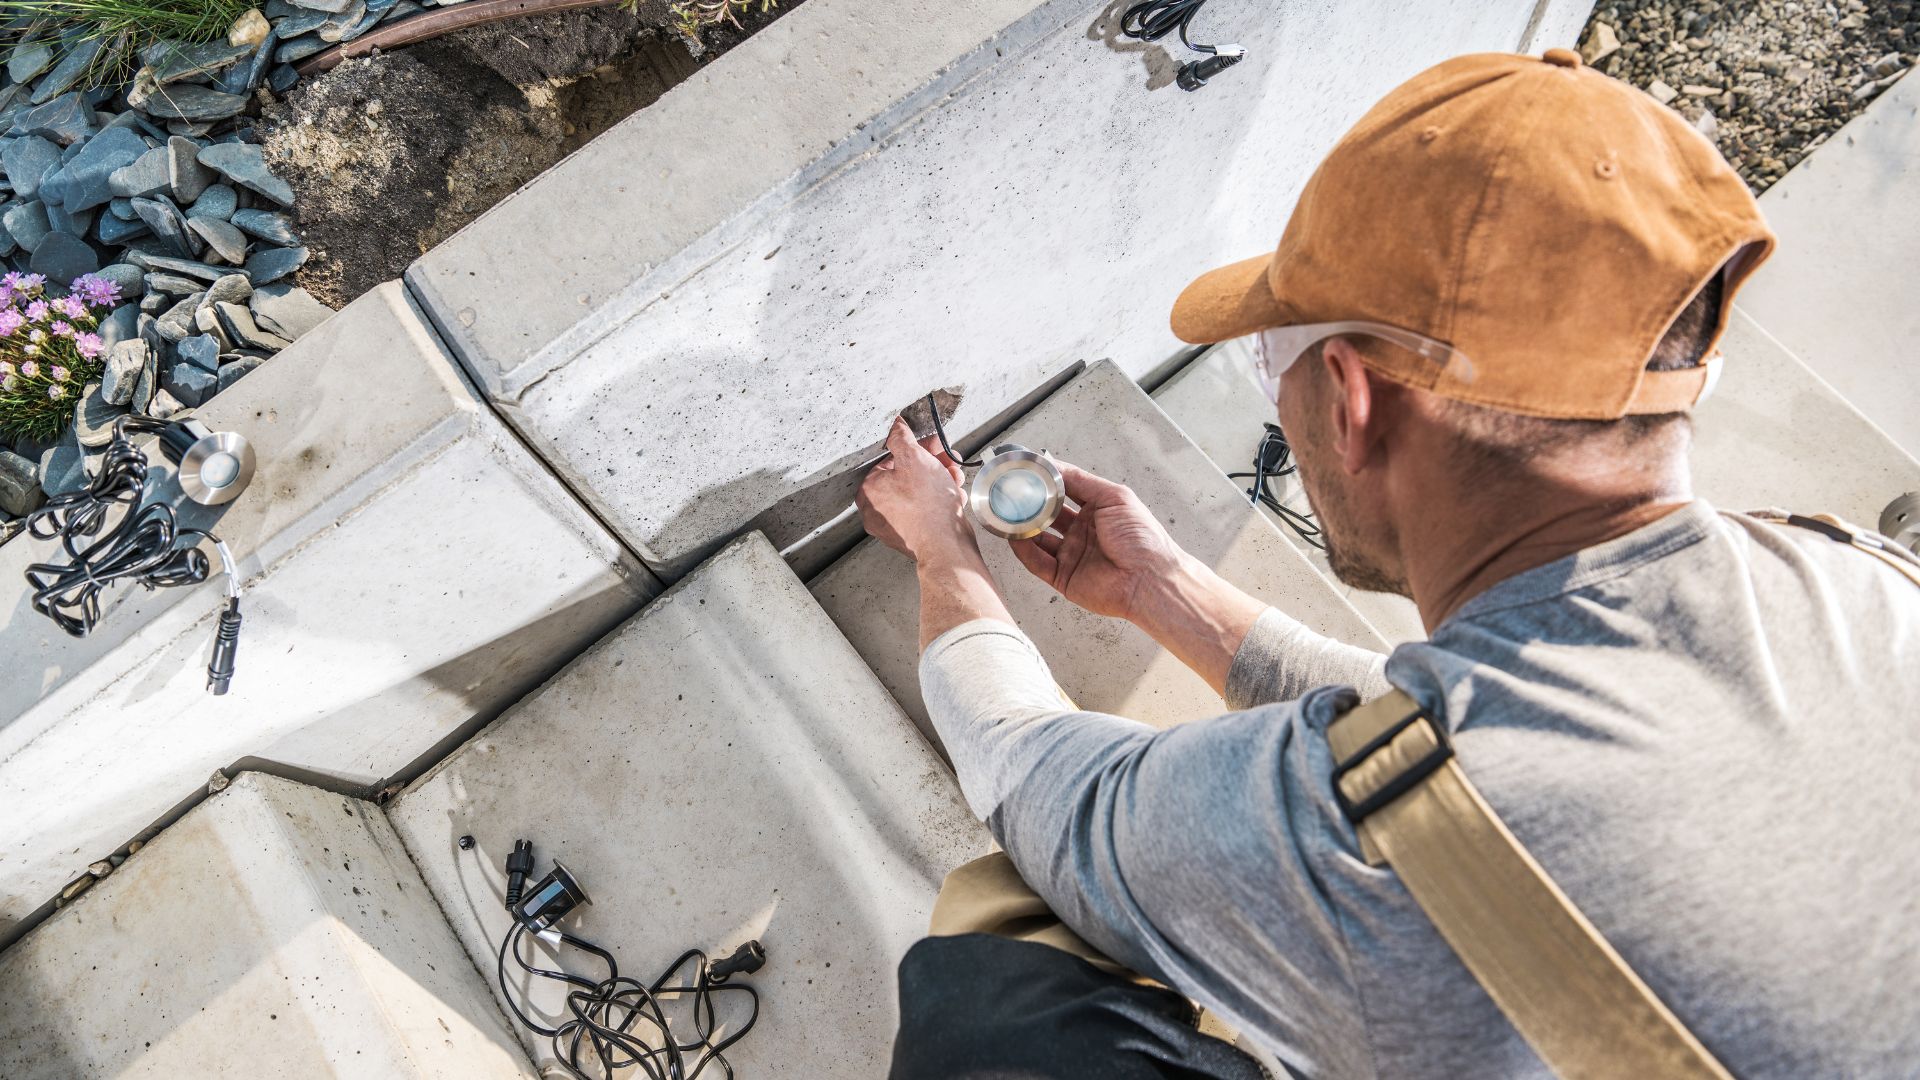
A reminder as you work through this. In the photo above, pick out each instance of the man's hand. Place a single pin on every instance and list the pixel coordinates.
(913, 502)
(1109, 552)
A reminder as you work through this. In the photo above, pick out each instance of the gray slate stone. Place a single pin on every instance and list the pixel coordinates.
(187, 267)
(217, 201)
(305, 22)
(93, 416)
(232, 289)
(68, 72)
(122, 209)
(113, 232)
(171, 284)
(229, 242)
(337, 27)
(125, 361)
(121, 324)
(231, 373)
(20, 492)
(26, 160)
(27, 223)
(146, 175)
(149, 383)
(154, 303)
(63, 467)
(7, 245)
(165, 220)
(74, 224)
(269, 225)
(329, 6)
(184, 171)
(165, 406)
(86, 182)
(300, 48)
(179, 60)
(287, 310)
(274, 263)
(244, 332)
(29, 60)
(177, 323)
(63, 258)
(245, 165)
(282, 78)
(188, 101)
(191, 384)
(129, 277)
(208, 323)
(66, 120)
(200, 350)
(245, 78)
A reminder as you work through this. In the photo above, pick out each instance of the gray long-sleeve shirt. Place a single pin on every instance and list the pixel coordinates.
(1704, 730)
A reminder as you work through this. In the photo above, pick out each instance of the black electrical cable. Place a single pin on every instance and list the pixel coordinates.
(1151, 20)
(940, 430)
(1273, 459)
(599, 1033)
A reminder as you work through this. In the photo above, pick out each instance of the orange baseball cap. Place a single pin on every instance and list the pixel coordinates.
(1545, 220)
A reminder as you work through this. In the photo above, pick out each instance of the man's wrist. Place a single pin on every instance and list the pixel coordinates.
(1197, 615)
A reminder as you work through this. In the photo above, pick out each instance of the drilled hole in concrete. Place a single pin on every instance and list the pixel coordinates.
(920, 419)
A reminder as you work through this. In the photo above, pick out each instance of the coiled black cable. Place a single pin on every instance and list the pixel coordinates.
(1151, 20)
(1273, 459)
(141, 544)
(600, 1031)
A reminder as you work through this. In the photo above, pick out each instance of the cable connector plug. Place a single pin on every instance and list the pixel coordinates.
(1194, 75)
(519, 865)
(745, 960)
(226, 643)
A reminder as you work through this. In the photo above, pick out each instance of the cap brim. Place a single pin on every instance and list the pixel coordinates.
(1227, 303)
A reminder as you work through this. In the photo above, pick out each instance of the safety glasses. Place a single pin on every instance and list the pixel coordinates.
(1275, 349)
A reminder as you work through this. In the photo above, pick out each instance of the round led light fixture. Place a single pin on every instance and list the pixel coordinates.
(214, 467)
(550, 900)
(1016, 493)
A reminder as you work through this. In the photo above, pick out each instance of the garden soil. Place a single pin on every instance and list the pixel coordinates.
(391, 154)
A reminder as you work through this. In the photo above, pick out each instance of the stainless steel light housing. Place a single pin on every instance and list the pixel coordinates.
(214, 467)
(1016, 492)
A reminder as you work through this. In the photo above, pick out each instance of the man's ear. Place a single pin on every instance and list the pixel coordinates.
(1356, 416)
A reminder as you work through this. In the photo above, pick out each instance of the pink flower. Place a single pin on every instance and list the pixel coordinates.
(59, 374)
(63, 329)
(11, 320)
(30, 369)
(70, 306)
(56, 391)
(37, 311)
(90, 345)
(96, 291)
(6, 370)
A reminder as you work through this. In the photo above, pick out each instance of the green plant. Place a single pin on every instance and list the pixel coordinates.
(48, 352)
(697, 15)
(141, 21)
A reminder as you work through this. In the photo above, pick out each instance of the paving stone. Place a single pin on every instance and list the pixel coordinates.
(125, 361)
(184, 171)
(297, 896)
(94, 414)
(26, 159)
(268, 225)
(272, 264)
(810, 738)
(244, 165)
(1103, 422)
(66, 120)
(165, 220)
(62, 258)
(229, 242)
(288, 310)
(145, 176)
(20, 492)
(86, 181)
(26, 61)
(365, 647)
(68, 72)
(27, 223)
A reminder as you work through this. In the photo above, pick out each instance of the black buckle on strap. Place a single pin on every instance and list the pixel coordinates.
(1399, 785)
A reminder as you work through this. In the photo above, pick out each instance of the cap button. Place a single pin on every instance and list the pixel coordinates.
(1565, 58)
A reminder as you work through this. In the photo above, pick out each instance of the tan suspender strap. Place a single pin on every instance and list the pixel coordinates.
(1848, 533)
(1570, 995)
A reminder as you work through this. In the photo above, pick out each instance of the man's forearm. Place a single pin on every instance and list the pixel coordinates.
(1199, 617)
(956, 588)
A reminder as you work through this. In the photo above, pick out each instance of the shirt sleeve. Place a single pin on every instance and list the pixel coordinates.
(1281, 660)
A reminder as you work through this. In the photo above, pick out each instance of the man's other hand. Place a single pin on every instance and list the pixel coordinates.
(913, 501)
(1109, 552)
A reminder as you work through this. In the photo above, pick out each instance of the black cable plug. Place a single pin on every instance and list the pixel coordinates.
(1194, 75)
(226, 643)
(519, 865)
(745, 960)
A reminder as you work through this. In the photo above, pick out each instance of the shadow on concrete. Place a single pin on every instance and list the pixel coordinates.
(1161, 69)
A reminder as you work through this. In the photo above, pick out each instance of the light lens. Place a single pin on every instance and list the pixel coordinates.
(1018, 496)
(219, 470)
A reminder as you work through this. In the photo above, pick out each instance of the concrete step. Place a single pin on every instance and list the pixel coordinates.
(719, 303)
(275, 930)
(722, 767)
(409, 569)
(1838, 292)
(1217, 403)
(1103, 422)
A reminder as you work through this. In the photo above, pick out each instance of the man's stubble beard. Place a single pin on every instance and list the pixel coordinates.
(1330, 508)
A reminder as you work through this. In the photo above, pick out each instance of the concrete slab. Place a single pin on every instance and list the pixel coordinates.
(276, 930)
(722, 767)
(1103, 422)
(409, 569)
(1217, 403)
(1838, 293)
(872, 201)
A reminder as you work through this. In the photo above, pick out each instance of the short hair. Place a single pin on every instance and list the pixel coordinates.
(1493, 438)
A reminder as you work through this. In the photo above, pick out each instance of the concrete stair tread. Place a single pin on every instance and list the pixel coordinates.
(1103, 422)
(275, 930)
(721, 767)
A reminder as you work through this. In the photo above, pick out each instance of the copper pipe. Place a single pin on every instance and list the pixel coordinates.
(431, 24)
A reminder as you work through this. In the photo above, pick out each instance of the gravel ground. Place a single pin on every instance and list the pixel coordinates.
(1767, 80)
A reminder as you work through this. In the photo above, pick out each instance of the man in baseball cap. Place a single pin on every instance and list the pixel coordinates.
(1484, 327)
